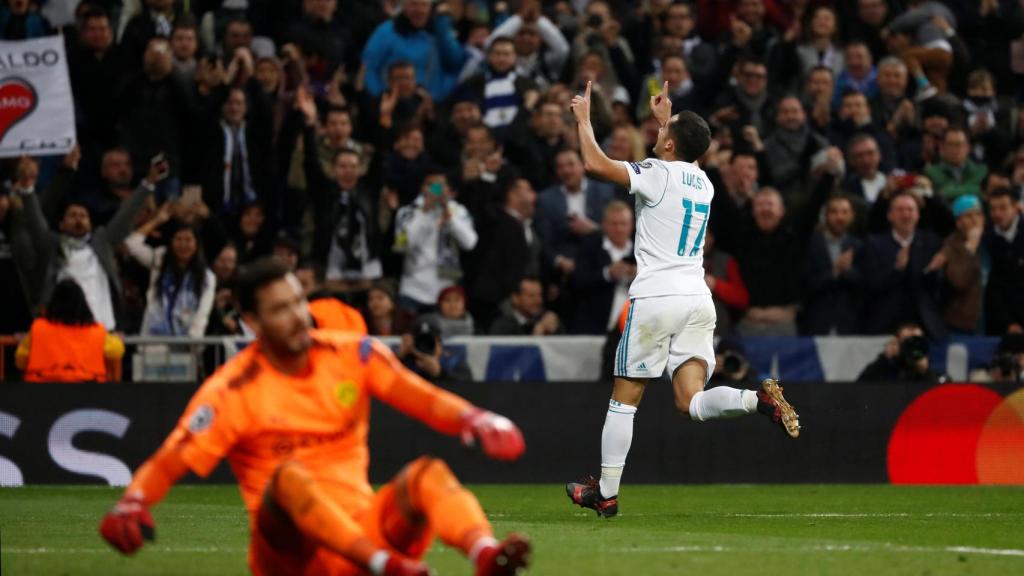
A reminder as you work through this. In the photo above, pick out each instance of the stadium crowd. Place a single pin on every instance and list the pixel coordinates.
(419, 160)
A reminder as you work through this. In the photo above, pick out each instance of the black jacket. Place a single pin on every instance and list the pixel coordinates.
(897, 296)
(1004, 295)
(831, 301)
(592, 293)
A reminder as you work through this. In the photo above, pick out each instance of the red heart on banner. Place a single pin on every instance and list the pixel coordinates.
(17, 100)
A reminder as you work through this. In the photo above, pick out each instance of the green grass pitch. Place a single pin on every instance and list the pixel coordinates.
(662, 530)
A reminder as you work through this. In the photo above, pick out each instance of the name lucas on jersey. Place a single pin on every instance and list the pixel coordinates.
(694, 181)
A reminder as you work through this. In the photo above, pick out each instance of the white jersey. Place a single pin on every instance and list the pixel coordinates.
(673, 204)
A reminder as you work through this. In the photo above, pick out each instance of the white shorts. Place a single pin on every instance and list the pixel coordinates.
(664, 332)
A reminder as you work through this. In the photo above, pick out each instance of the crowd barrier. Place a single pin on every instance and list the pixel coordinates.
(573, 358)
(882, 432)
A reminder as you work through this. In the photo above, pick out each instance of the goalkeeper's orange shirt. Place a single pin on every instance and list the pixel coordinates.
(258, 417)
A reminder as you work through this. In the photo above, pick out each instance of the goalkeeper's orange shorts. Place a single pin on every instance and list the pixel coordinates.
(278, 548)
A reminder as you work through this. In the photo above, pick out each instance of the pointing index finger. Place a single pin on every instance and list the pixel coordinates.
(587, 95)
(664, 88)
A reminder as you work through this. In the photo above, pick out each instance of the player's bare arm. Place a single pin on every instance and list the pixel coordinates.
(594, 159)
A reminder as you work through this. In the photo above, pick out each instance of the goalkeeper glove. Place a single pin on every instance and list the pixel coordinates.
(496, 435)
(127, 525)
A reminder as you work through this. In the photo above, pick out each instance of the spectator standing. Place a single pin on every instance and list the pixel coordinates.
(538, 146)
(526, 315)
(95, 71)
(770, 249)
(504, 93)
(789, 150)
(156, 113)
(509, 251)
(960, 260)
(955, 174)
(66, 344)
(430, 233)
(569, 212)
(235, 156)
(833, 282)
(346, 234)
(19, 21)
(82, 253)
(541, 49)
(428, 42)
(865, 180)
(1004, 303)
(729, 293)
(901, 273)
(155, 20)
(181, 288)
(325, 43)
(605, 267)
(860, 74)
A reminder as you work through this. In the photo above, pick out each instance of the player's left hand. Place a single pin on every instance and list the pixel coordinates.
(581, 105)
(127, 525)
(496, 435)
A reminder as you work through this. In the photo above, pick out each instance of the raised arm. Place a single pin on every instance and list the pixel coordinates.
(594, 159)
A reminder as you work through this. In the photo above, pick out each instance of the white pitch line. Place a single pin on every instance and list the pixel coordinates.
(873, 515)
(834, 548)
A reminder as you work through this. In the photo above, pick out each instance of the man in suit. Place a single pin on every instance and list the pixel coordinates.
(832, 280)
(509, 251)
(901, 273)
(604, 269)
(569, 212)
(1004, 295)
(235, 161)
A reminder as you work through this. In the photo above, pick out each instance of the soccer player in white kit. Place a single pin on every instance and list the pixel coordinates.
(671, 319)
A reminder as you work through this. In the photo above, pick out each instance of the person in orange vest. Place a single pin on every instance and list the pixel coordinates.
(66, 344)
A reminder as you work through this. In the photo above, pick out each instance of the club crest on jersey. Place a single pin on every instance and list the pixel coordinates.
(636, 166)
(347, 393)
(201, 419)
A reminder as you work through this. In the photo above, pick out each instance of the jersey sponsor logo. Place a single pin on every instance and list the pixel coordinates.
(201, 419)
(347, 393)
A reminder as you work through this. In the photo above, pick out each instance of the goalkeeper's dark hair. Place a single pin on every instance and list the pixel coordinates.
(691, 135)
(251, 278)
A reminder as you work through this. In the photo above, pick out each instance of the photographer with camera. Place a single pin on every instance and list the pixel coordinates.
(905, 359)
(422, 351)
(1007, 363)
(731, 364)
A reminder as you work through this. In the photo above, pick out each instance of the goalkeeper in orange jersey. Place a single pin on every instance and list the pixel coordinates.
(291, 415)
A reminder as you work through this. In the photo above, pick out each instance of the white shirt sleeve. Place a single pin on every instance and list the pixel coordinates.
(648, 180)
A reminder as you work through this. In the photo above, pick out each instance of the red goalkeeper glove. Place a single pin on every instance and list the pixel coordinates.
(496, 435)
(127, 525)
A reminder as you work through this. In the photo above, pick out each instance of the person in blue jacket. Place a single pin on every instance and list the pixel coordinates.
(429, 43)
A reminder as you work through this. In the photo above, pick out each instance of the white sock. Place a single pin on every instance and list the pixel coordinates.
(482, 543)
(722, 402)
(615, 440)
(379, 562)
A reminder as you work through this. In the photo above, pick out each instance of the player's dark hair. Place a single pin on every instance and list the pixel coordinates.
(251, 278)
(68, 306)
(691, 135)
